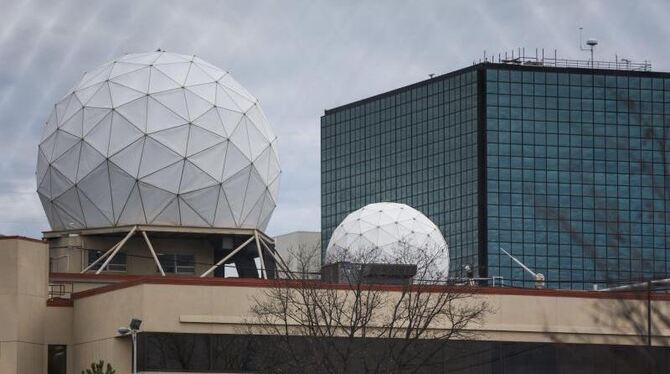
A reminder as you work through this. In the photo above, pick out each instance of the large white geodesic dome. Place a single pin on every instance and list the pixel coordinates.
(158, 138)
(389, 233)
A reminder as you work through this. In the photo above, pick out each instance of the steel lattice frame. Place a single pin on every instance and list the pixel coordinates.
(264, 246)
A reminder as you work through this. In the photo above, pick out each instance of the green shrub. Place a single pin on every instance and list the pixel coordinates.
(97, 368)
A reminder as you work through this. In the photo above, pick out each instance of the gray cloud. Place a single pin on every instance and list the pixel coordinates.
(298, 57)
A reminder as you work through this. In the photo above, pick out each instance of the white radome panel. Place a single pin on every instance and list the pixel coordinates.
(388, 233)
(157, 138)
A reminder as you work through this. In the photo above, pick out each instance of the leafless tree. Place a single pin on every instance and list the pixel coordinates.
(355, 327)
(304, 261)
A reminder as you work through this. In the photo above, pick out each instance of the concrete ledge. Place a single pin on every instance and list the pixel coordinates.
(198, 318)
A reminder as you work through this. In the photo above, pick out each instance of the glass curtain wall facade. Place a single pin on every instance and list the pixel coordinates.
(577, 174)
(416, 146)
(567, 169)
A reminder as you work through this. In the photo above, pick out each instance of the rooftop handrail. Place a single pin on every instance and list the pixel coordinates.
(546, 60)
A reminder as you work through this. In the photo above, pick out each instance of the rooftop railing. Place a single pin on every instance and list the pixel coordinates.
(540, 59)
(582, 64)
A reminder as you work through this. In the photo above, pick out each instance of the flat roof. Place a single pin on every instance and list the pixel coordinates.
(20, 237)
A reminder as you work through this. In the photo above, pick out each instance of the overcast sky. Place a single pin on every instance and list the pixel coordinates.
(297, 57)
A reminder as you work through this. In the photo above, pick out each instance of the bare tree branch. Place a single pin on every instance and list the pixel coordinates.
(337, 319)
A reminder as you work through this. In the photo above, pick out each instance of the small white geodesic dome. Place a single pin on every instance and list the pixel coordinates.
(390, 233)
(157, 138)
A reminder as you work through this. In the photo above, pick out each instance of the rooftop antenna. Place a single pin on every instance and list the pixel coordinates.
(431, 75)
(537, 277)
(590, 42)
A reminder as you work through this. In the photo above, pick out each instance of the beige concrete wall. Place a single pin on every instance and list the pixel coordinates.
(8, 356)
(20, 357)
(160, 307)
(224, 309)
(228, 305)
(571, 320)
(116, 351)
(23, 293)
(94, 333)
(288, 245)
(58, 330)
(30, 358)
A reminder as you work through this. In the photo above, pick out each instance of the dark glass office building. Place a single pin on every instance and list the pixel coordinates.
(565, 168)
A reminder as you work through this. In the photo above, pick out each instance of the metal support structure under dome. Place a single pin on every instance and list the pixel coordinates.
(250, 244)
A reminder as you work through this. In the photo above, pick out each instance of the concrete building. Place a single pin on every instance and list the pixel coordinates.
(306, 242)
(60, 322)
(562, 163)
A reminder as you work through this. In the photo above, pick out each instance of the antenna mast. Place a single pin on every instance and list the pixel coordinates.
(591, 43)
(538, 277)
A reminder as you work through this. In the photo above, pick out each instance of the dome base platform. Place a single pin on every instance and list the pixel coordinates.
(167, 250)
